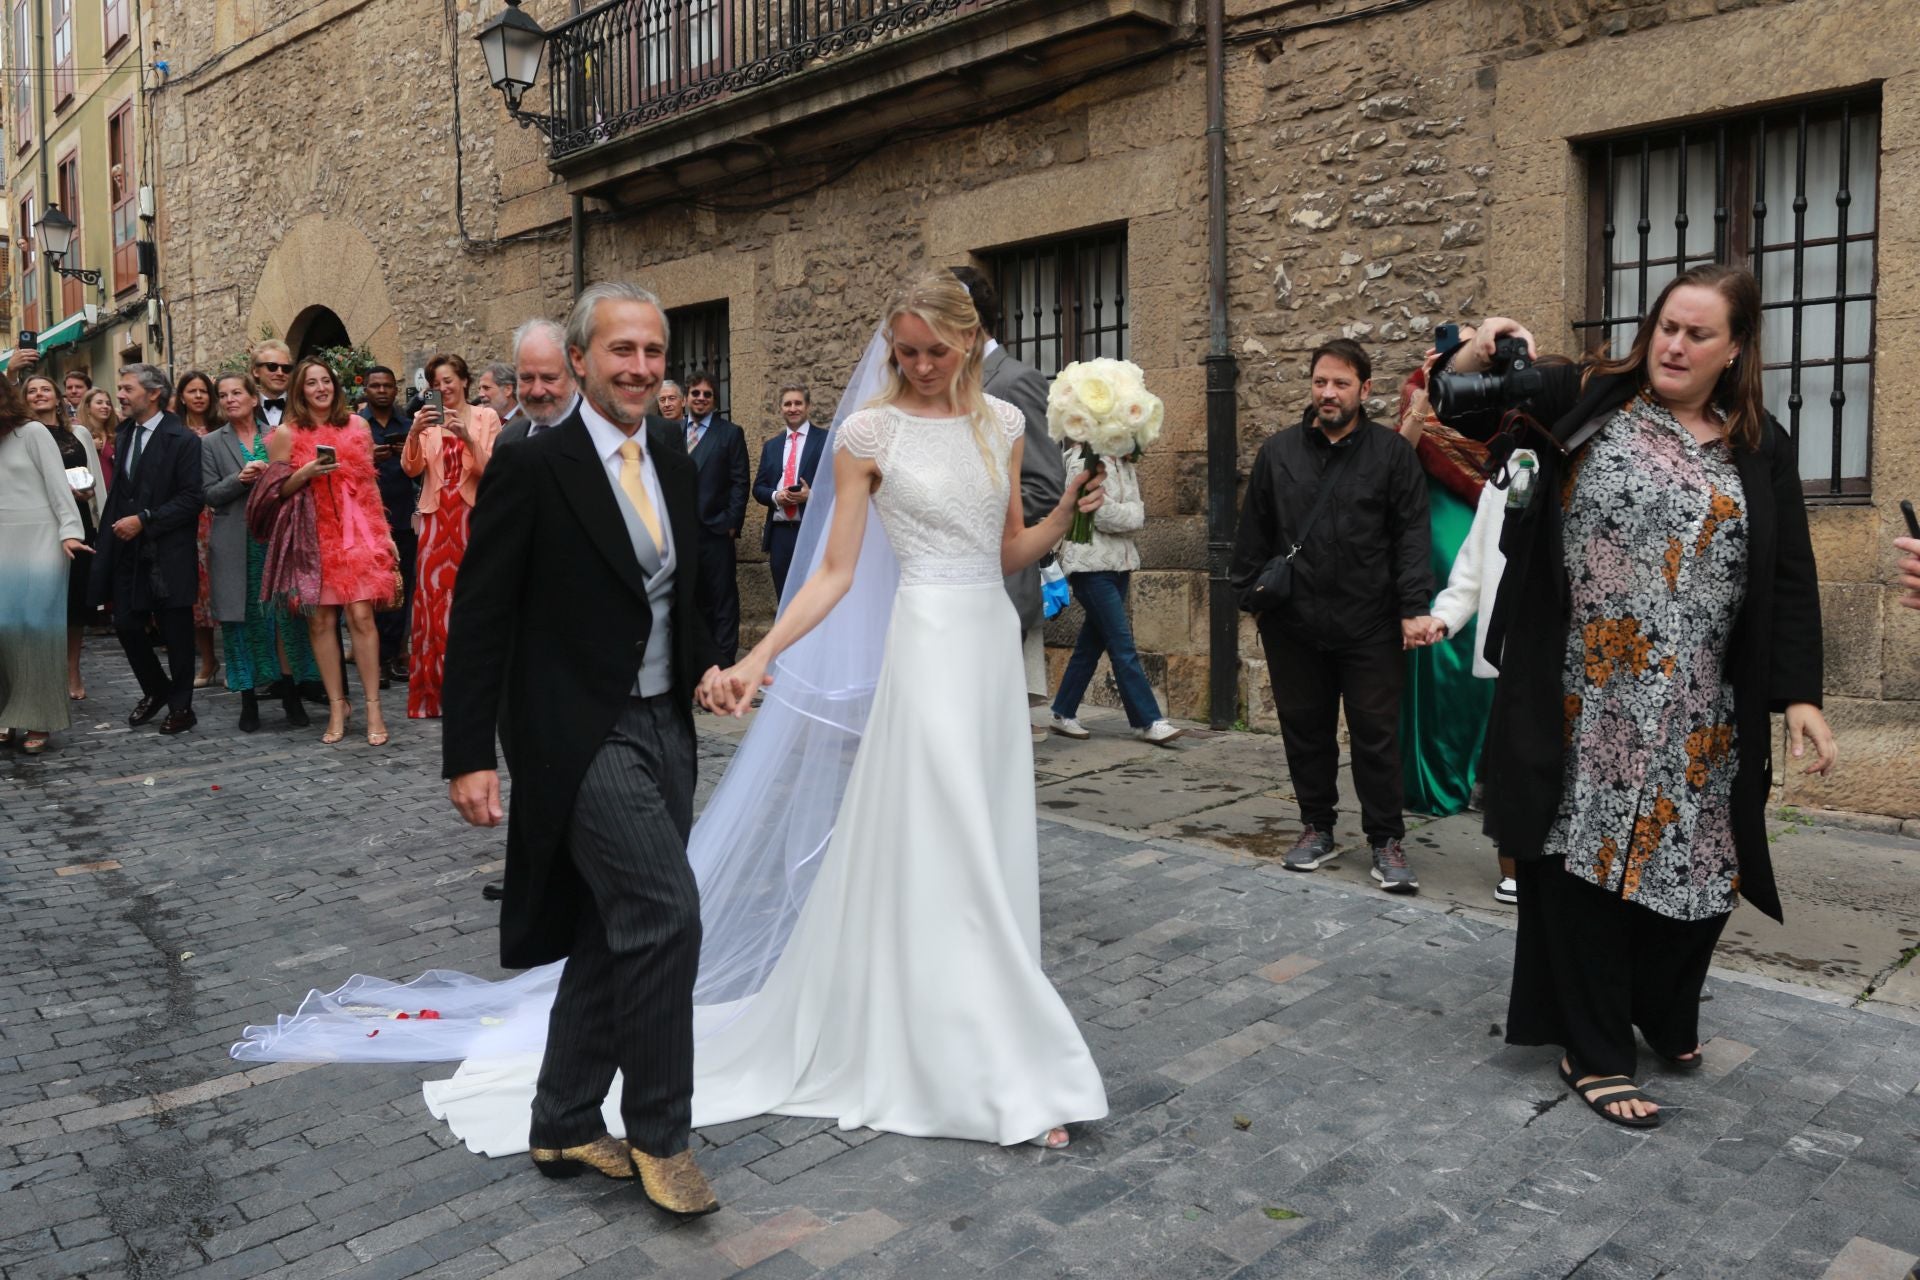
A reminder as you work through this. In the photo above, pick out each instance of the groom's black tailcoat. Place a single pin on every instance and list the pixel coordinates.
(551, 604)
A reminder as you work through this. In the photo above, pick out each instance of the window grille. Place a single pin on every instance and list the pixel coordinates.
(1063, 300)
(1792, 194)
(699, 341)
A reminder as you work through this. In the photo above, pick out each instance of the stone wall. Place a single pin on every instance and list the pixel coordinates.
(1385, 175)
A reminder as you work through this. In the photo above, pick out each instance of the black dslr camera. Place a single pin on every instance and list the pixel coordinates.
(1509, 383)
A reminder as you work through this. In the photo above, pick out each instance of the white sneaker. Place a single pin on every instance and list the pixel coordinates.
(1508, 890)
(1159, 733)
(1068, 727)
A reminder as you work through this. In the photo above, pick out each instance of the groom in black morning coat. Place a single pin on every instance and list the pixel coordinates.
(563, 598)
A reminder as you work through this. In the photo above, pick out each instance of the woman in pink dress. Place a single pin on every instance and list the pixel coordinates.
(358, 566)
(450, 449)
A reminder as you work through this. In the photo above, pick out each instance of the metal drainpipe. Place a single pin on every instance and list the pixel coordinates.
(1223, 449)
(41, 81)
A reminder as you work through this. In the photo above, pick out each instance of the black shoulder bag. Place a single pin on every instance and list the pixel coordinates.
(1274, 586)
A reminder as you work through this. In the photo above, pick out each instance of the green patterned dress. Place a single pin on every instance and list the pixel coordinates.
(253, 647)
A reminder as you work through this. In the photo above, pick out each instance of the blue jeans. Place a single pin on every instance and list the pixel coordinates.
(1104, 597)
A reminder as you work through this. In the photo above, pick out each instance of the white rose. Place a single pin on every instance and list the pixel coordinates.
(1071, 423)
(1095, 392)
(1149, 430)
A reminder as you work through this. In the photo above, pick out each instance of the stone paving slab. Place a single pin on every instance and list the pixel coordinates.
(1307, 1077)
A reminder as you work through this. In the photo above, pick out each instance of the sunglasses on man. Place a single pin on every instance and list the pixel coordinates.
(274, 366)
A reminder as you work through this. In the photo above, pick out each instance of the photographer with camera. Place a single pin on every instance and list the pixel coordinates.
(1331, 557)
(1659, 601)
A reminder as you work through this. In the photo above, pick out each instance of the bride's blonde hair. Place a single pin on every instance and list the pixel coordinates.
(943, 304)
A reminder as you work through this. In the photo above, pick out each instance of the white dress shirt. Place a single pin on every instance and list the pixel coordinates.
(796, 450)
(607, 439)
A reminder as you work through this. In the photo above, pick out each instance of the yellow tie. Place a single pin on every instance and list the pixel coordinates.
(636, 490)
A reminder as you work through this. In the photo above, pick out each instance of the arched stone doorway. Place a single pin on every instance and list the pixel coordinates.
(316, 329)
(323, 285)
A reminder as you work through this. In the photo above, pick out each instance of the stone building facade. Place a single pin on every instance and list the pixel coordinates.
(1389, 169)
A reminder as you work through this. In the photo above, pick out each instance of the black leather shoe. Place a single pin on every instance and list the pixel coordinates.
(290, 703)
(144, 710)
(249, 711)
(314, 691)
(179, 721)
(494, 891)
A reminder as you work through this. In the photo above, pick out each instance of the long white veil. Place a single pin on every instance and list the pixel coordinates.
(755, 849)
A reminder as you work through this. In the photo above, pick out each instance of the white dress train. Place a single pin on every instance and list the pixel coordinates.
(909, 997)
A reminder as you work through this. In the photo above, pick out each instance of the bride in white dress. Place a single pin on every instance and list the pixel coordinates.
(878, 963)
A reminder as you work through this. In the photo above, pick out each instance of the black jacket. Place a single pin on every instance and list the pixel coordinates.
(726, 481)
(160, 569)
(551, 604)
(1774, 653)
(1366, 565)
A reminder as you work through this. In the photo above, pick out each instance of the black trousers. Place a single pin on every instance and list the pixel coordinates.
(626, 995)
(1589, 967)
(1310, 686)
(392, 627)
(175, 682)
(781, 537)
(721, 591)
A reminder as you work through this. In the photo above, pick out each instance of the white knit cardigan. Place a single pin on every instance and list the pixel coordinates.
(1114, 524)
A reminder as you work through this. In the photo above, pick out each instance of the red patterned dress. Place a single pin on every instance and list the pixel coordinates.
(356, 553)
(443, 545)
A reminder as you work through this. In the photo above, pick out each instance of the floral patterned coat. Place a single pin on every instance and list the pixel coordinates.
(1773, 656)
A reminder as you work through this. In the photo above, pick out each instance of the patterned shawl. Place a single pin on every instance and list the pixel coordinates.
(291, 575)
(1448, 457)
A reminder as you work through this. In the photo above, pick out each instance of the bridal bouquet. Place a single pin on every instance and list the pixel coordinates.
(1104, 407)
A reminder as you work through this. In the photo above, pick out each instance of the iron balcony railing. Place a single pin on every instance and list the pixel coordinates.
(627, 63)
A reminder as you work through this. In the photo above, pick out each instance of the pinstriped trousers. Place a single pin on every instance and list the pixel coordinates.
(625, 1000)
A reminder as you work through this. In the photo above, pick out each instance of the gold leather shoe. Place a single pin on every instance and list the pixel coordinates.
(675, 1183)
(606, 1154)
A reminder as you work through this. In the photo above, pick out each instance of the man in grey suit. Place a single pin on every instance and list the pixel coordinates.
(545, 384)
(1043, 469)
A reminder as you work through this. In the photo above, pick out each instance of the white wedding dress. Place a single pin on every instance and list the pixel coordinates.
(908, 996)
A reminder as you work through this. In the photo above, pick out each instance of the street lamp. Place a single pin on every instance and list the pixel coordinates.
(514, 45)
(56, 239)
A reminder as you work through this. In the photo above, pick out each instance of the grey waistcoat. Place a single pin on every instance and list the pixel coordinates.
(656, 668)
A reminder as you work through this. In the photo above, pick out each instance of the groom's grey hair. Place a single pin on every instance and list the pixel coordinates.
(581, 320)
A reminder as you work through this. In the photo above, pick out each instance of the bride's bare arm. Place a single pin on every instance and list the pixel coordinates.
(1020, 545)
(731, 691)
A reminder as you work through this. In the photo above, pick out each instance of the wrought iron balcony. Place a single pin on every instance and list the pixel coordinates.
(628, 79)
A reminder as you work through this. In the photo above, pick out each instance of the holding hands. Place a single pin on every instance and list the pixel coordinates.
(1418, 633)
(730, 692)
(1907, 571)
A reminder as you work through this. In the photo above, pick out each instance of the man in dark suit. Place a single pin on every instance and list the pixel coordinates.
(719, 450)
(1043, 470)
(545, 384)
(399, 494)
(273, 373)
(785, 480)
(578, 594)
(150, 567)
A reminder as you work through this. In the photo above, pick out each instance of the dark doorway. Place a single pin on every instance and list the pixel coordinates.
(316, 329)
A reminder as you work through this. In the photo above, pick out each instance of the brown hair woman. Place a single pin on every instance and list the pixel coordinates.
(448, 448)
(1660, 600)
(332, 450)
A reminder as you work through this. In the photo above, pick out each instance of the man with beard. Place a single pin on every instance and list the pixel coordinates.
(1360, 585)
(545, 384)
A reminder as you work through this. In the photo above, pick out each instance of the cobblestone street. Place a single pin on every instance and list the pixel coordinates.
(1307, 1077)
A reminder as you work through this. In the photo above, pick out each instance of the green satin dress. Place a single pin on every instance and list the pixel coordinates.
(1443, 710)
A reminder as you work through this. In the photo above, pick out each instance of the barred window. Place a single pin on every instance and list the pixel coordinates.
(1793, 194)
(699, 341)
(1063, 300)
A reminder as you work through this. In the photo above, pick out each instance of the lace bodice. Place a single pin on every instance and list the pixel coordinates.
(944, 511)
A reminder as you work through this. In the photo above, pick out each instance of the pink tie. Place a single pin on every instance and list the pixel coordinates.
(792, 470)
